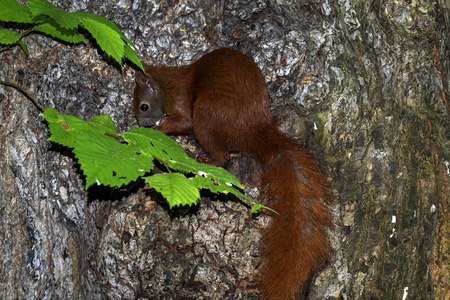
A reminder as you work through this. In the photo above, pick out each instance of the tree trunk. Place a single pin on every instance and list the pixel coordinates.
(365, 85)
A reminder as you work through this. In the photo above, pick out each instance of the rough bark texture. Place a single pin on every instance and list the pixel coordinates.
(364, 84)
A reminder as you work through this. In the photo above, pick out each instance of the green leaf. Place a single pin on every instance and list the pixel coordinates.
(215, 185)
(175, 187)
(24, 47)
(168, 152)
(103, 157)
(131, 55)
(104, 160)
(155, 143)
(64, 128)
(103, 20)
(66, 35)
(256, 207)
(62, 18)
(9, 37)
(13, 11)
(108, 39)
(218, 174)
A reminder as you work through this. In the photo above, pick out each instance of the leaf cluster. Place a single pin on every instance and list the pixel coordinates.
(109, 158)
(44, 17)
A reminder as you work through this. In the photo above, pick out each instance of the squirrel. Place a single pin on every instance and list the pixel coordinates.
(223, 100)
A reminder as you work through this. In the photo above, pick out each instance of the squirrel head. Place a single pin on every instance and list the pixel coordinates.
(149, 102)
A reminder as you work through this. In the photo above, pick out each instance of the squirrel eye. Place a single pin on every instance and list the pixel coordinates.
(144, 107)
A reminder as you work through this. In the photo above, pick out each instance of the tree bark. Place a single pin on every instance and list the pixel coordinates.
(365, 85)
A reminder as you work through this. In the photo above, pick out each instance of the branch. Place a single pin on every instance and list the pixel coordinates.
(23, 91)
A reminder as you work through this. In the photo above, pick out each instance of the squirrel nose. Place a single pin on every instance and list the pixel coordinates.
(146, 122)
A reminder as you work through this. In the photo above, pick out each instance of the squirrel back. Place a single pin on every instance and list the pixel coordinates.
(223, 100)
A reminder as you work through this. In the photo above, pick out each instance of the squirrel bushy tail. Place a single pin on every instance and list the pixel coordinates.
(296, 243)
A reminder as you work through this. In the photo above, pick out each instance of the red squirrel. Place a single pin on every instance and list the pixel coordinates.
(223, 100)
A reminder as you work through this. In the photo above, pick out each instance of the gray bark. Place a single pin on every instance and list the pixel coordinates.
(364, 85)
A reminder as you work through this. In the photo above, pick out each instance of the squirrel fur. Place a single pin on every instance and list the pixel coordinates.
(223, 100)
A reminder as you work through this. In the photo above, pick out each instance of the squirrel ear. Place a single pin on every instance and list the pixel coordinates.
(144, 80)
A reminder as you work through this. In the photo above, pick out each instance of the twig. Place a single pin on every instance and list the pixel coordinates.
(6, 48)
(23, 91)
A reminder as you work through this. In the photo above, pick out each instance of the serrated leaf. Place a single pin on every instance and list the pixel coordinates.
(64, 128)
(103, 124)
(24, 47)
(131, 55)
(108, 39)
(50, 114)
(13, 11)
(105, 21)
(9, 37)
(155, 143)
(167, 151)
(59, 128)
(67, 35)
(175, 187)
(62, 18)
(103, 157)
(217, 173)
(203, 182)
(105, 160)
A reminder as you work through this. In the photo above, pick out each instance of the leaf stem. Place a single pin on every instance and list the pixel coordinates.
(6, 48)
(31, 29)
(164, 163)
(25, 92)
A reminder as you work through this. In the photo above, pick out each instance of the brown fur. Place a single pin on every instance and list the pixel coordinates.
(222, 98)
